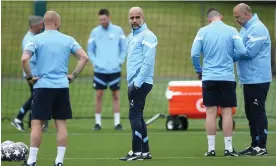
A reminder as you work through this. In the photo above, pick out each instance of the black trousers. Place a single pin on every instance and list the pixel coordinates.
(27, 105)
(137, 100)
(254, 99)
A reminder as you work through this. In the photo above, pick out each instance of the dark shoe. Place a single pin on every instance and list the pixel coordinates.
(18, 125)
(233, 153)
(118, 127)
(97, 127)
(246, 151)
(131, 157)
(147, 156)
(25, 164)
(211, 153)
(257, 151)
(58, 164)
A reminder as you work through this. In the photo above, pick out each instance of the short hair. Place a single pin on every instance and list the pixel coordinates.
(212, 12)
(247, 9)
(33, 20)
(103, 12)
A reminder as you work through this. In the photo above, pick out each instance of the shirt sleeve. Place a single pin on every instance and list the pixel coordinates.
(254, 43)
(30, 46)
(74, 46)
(239, 48)
(196, 51)
(91, 47)
(122, 45)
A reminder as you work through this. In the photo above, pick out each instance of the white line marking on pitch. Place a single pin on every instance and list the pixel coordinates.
(111, 134)
(163, 158)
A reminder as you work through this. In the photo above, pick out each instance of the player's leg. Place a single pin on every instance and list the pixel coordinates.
(228, 101)
(61, 112)
(210, 124)
(36, 137)
(100, 84)
(135, 117)
(247, 92)
(61, 140)
(145, 89)
(41, 111)
(145, 146)
(98, 109)
(258, 106)
(262, 118)
(116, 109)
(18, 121)
(114, 84)
(211, 97)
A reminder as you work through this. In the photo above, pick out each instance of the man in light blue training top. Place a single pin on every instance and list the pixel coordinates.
(141, 50)
(36, 25)
(107, 52)
(219, 45)
(254, 72)
(52, 50)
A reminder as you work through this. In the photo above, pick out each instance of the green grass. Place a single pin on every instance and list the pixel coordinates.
(174, 23)
(16, 91)
(87, 147)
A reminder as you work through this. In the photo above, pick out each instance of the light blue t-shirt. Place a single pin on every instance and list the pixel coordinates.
(219, 45)
(27, 38)
(52, 50)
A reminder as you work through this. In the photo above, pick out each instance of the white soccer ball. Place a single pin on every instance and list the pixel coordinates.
(8, 142)
(25, 150)
(11, 151)
(2, 153)
(16, 152)
(6, 151)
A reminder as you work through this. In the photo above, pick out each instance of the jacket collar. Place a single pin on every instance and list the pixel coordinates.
(108, 27)
(31, 33)
(251, 21)
(140, 29)
(217, 22)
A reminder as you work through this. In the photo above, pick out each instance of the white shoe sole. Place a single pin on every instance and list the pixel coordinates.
(17, 127)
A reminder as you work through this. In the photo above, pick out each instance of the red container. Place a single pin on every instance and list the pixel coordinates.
(185, 98)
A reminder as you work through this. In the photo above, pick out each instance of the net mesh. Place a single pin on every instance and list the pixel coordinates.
(174, 23)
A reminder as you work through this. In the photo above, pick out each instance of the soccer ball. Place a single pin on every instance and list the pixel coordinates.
(16, 152)
(2, 154)
(11, 151)
(8, 142)
(6, 152)
(25, 150)
(4, 149)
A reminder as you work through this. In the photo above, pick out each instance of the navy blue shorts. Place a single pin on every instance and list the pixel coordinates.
(219, 93)
(101, 81)
(51, 103)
